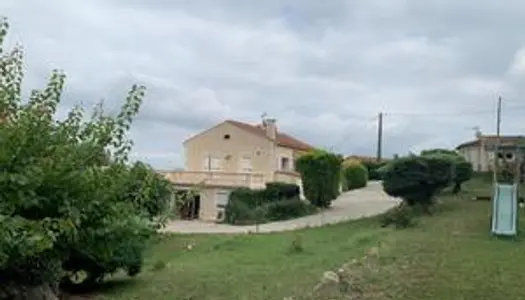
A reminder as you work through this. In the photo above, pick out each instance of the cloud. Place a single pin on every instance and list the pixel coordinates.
(324, 69)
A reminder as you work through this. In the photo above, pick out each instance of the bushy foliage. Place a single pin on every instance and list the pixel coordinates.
(288, 209)
(355, 176)
(416, 179)
(401, 216)
(241, 205)
(321, 176)
(279, 201)
(69, 201)
(439, 151)
(281, 190)
(463, 170)
(373, 169)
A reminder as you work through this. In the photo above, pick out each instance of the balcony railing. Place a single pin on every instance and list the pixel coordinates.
(287, 177)
(250, 180)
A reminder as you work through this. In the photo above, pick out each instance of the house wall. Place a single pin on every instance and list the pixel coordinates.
(480, 158)
(208, 205)
(230, 151)
(282, 152)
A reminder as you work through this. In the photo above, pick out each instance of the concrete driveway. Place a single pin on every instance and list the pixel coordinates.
(351, 205)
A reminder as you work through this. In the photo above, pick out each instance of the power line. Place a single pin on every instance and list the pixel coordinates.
(345, 137)
(457, 113)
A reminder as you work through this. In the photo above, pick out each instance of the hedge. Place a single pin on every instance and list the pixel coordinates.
(321, 176)
(279, 201)
(288, 209)
(373, 169)
(355, 176)
(281, 190)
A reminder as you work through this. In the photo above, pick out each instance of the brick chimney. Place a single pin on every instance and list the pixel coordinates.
(270, 125)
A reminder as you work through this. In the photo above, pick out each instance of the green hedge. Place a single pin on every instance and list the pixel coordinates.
(355, 176)
(321, 175)
(279, 201)
(373, 169)
(288, 209)
(281, 190)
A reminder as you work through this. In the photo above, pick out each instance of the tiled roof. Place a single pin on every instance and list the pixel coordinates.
(282, 139)
(505, 140)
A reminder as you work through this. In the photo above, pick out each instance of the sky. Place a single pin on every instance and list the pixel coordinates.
(323, 69)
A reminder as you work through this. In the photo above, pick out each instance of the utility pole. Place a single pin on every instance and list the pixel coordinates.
(379, 136)
(498, 132)
(498, 118)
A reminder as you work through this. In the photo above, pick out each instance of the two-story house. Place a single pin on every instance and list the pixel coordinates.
(235, 154)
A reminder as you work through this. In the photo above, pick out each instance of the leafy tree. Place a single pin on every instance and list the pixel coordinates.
(321, 176)
(62, 206)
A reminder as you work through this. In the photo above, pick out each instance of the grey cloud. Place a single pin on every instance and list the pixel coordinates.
(323, 68)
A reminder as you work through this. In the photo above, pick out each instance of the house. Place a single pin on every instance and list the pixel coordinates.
(480, 151)
(234, 154)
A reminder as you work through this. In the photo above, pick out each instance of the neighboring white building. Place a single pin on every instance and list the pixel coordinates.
(479, 153)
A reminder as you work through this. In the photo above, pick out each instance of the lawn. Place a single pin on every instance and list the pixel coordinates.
(449, 255)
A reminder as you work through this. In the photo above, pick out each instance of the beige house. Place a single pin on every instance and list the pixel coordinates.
(480, 151)
(234, 154)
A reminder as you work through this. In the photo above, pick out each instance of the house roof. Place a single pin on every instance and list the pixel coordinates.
(505, 140)
(282, 139)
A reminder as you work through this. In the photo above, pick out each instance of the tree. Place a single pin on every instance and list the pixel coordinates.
(62, 210)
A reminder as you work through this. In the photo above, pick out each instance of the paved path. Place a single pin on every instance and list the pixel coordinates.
(352, 205)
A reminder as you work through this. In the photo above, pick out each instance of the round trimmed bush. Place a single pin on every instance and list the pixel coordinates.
(416, 179)
(355, 176)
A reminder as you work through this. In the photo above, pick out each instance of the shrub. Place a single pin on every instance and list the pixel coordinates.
(246, 206)
(288, 209)
(372, 168)
(416, 179)
(321, 176)
(401, 216)
(296, 245)
(62, 207)
(463, 170)
(355, 176)
(238, 212)
(279, 190)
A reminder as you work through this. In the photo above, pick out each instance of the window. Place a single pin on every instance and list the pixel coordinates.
(285, 164)
(221, 199)
(212, 164)
(245, 164)
(226, 137)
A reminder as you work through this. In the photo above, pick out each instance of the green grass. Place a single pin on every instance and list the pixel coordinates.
(448, 256)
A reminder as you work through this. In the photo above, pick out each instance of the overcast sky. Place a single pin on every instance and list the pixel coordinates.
(324, 69)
